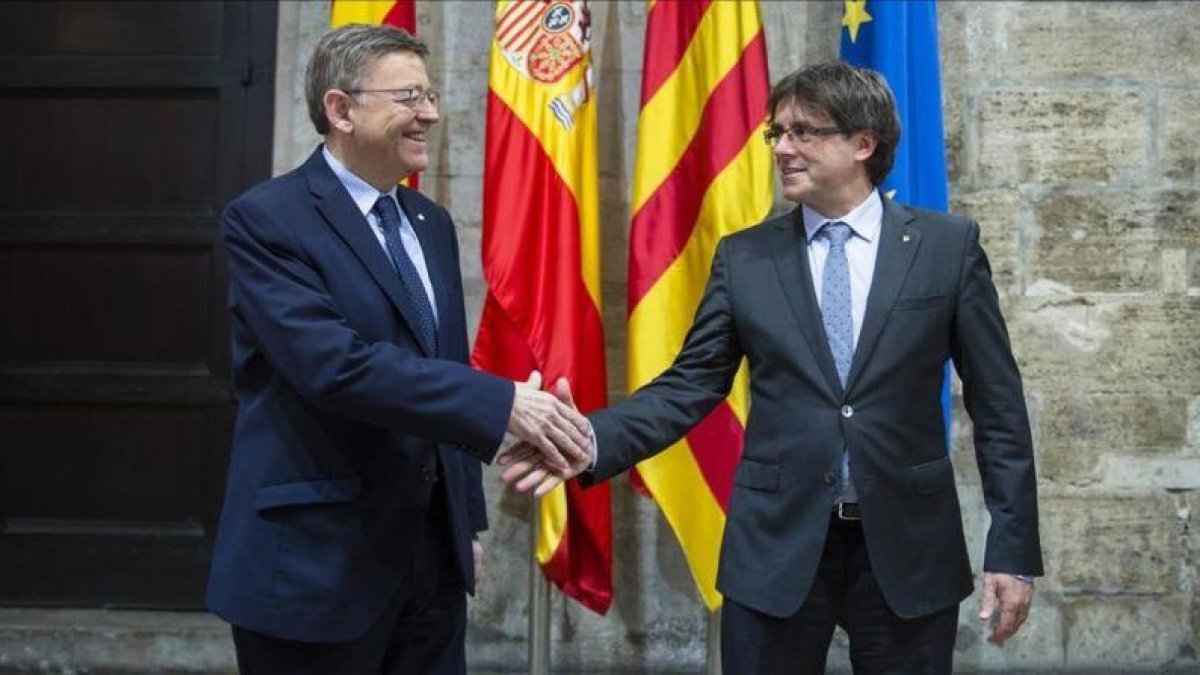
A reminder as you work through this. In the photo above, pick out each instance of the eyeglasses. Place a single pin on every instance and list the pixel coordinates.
(409, 97)
(798, 133)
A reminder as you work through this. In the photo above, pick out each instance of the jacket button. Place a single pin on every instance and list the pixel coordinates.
(828, 477)
(847, 411)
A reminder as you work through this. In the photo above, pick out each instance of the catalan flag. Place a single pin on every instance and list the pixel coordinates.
(398, 13)
(541, 255)
(899, 39)
(701, 172)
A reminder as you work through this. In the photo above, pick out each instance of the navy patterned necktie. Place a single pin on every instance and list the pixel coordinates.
(389, 218)
(839, 326)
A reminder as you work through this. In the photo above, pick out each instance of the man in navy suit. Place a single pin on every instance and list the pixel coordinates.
(844, 510)
(347, 538)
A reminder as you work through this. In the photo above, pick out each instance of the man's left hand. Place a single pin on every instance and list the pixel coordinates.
(1013, 596)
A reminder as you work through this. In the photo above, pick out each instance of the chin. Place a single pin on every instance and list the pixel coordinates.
(795, 194)
(413, 165)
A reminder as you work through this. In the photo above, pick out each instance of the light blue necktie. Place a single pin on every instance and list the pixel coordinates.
(839, 326)
(389, 218)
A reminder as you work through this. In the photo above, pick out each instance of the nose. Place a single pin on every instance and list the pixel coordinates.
(783, 147)
(428, 112)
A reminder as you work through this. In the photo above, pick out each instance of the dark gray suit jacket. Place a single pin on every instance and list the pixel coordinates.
(931, 299)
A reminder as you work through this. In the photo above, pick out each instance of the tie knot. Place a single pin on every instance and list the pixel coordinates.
(389, 215)
(837, 232)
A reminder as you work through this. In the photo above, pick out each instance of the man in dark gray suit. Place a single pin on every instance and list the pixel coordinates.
(844, 510)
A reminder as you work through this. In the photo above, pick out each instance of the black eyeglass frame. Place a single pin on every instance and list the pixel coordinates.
(801, 133)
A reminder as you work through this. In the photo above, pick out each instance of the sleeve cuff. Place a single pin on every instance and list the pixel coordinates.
(595, 450)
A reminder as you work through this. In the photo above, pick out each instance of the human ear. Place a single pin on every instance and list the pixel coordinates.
(337, 110)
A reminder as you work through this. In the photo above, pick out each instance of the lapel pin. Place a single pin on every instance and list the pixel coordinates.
(420, 216)
(906, 238)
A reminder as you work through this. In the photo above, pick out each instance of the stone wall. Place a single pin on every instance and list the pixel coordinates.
(1071, 133)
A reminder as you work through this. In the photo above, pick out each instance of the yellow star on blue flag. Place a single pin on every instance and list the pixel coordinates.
(855, 16)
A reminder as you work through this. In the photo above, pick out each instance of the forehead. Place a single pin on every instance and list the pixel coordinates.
(395, 70)
(791, 110)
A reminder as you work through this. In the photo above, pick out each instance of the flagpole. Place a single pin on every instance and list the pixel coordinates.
(712, 655)
(539, 604)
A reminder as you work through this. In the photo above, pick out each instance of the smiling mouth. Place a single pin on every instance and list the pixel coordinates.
(417, 136)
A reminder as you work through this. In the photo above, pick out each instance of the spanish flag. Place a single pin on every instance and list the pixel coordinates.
(541, 257)
(701, 171)
(398, 13)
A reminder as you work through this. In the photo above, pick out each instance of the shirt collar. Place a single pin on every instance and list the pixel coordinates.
(363, 194)
(864, 219)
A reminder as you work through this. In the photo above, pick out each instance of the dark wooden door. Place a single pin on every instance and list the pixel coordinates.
(125, 128)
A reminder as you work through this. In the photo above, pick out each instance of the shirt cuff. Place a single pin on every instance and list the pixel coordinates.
(595, 450)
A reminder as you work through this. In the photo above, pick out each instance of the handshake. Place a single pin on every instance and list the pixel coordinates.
(555, 439)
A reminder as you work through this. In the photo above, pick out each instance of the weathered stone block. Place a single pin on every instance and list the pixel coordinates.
(1063, 39)
(462, 196)
(1176, 275)
(1110, 241)
(953, 104)
(1113, 543)
(1035, 136)
(1174, 41)
(970, 39)
(1169, 472)
(1192, 446)
(1144, 346)
(1119, 633)
(624, 36)
(463, 110)
(1077, 431)
(301, 24)
(463, 36)
(999, 214)
(1180, 143)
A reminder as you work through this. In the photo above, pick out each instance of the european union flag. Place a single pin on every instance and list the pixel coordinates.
(899, 39)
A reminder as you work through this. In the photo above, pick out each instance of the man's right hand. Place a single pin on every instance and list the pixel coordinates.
(525, 468)
(556, 430)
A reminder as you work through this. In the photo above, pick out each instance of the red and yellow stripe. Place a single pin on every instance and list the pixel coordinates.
(541, 261)
(398, 13)
(701, 172)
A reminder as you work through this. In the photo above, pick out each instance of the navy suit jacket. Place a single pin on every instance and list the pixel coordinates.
(931, 300)
(344, 419)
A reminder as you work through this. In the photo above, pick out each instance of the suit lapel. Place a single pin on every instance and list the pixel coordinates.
(898, 244)
(343, 216)
(791, 264)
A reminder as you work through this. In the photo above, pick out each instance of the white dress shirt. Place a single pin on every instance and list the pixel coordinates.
(365, 196)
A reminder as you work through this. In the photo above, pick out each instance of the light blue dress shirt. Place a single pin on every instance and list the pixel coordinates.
(365, 196)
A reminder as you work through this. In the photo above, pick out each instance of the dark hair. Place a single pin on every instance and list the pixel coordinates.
(856, 99)
(342, 57)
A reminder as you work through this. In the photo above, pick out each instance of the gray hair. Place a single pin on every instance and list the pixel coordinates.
(342, 57)
(856, 99)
